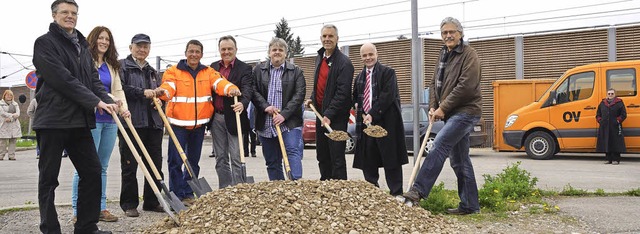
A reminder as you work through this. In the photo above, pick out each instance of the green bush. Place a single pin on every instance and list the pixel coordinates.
(600, 192)
(571, 191)
(501, 192)
(440, 199)
(633, 192)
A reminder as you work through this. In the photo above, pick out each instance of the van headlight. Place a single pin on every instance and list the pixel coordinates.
(512, 119)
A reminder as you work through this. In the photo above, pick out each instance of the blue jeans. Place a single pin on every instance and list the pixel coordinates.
(452, 141)
(191, 142)
(104, 138)
(273, 154)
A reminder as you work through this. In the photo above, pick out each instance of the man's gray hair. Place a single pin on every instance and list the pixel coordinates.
(54, 5)
(276, 41)
(330, 26)
(454, 21)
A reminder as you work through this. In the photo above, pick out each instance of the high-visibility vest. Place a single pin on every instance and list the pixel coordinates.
(189, 100)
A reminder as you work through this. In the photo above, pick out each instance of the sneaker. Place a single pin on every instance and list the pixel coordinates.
(412, 197)
(131, 213)
(458, 211)
(106, 216)
(188, 201)
(155, 209)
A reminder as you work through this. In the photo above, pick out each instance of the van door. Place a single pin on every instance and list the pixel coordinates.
(625, 82)
(573, 114)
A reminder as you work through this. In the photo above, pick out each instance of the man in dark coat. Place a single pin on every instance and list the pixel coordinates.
(139, 80)
(224, 129)
(331, 96)
(611, 113)
(376, 96)
(68, 91)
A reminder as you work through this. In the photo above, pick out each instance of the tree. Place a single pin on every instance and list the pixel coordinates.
(283, 31)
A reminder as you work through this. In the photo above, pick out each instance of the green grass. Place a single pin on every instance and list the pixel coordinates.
(25, 143)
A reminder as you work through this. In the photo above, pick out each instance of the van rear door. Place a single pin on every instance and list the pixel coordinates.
(573, 114)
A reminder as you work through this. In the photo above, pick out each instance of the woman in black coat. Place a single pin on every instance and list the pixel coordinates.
(611, 113)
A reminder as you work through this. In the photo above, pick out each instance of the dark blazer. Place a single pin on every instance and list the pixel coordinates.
(336, 102)
(385, 111)
(68, 88)
(242, 77)
(293, 91)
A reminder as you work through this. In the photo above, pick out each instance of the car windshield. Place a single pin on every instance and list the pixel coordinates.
(309, 115)
(407, 114)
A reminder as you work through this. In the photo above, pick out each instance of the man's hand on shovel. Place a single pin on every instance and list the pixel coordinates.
(238, 107)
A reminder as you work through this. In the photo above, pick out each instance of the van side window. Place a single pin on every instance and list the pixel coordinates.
(624, 81)
(575, 87)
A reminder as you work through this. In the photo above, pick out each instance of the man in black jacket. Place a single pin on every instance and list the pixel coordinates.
(278, 96)
(331, 96)
(67, 92)
(224, 129)
(139, 80)
(377, 97)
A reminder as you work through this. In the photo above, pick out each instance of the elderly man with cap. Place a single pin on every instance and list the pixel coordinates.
(139, 80)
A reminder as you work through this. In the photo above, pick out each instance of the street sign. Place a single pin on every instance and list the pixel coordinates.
(31, 80)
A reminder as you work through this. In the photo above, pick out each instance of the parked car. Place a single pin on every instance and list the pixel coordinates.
(476, 138)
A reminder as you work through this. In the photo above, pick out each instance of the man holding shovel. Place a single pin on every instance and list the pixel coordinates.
(223, 125)
(279, 91)
(188, 88)
(377, 98)
(139, 80)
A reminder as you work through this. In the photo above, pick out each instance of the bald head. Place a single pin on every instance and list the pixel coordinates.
(369, 54)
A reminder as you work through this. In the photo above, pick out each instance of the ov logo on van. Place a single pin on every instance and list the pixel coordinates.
(570, 115)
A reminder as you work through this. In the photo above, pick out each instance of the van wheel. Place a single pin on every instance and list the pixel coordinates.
(540, 145)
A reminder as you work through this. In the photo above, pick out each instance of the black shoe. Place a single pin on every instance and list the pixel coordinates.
(101, 232)
(458, 211)
(212, 156)
(253, 155)
(131, 213)
(608, 162)
(155, 209)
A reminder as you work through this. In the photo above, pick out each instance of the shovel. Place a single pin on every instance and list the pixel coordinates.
(199, 186)
(245, 178)
(168, 196)
(416, 166)
(333, 135)
(374, 130)
(154, 187)
(285, 159)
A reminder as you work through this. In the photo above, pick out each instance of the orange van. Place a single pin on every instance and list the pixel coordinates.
(563, 119)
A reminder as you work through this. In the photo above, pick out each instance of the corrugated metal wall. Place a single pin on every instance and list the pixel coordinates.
(430, 50)
(628, 43)
(549, 56)
(308, 69)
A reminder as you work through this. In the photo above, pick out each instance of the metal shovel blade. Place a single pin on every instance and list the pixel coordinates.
(172, 199)
(165, 207)
(199, 186)
(247, 179)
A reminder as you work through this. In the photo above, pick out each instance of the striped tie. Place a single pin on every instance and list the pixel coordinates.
(367, 93)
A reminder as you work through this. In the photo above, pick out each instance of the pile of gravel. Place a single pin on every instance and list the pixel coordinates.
(304, 206)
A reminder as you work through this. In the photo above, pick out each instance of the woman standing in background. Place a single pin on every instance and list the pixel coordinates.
(10, 129)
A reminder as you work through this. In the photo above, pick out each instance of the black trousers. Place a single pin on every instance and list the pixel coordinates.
(330, 154)
(83, 155)
(152, 140)
(612, 156)
(373, 162)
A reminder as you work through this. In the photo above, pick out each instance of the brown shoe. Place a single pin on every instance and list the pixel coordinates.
(188, 201)
(412, 198)
(106, 216)
(155, 209)
(131, 213)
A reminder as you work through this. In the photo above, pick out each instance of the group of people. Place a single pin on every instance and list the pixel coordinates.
(82, 84)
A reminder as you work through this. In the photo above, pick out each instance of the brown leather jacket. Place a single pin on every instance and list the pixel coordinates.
(461, 85)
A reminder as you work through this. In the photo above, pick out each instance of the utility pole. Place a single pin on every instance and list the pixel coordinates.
(415, 78)
(158, 59)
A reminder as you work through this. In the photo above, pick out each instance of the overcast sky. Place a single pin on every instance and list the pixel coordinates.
(170, 24)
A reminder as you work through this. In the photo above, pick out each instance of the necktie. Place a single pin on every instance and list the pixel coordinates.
(367, 93)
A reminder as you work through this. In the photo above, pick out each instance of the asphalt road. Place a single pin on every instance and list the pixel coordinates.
(18, 179)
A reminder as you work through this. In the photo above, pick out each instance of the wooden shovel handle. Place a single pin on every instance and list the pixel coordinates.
(416, 166)
(142, 148)
(239, 127)
(321, 118)
(285, 159)
(173, 136)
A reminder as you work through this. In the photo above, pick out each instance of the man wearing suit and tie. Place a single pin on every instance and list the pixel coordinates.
(377, 98)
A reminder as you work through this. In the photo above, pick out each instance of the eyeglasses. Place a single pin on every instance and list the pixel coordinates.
(452, 32)
(610, 93)
(66, 13)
